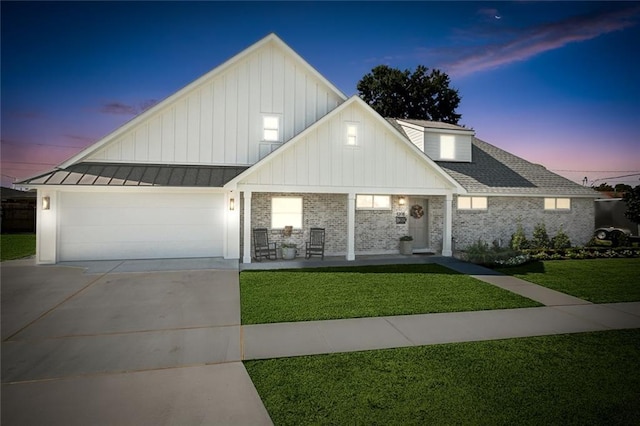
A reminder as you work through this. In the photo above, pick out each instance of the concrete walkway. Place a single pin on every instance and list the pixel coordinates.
(561, 314)
(117, 342)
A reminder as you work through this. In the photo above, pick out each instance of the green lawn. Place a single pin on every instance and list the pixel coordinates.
(595, 280)
(588, 378)
(369, 291)
(15, 246)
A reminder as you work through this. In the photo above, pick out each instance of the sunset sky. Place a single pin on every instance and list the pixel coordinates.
(555, 83)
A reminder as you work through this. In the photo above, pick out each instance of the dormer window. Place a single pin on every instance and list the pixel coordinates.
(352, 134)
(271, 128)
(447, 147)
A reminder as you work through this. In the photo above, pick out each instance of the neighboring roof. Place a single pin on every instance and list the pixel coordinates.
(14, 194)
(435, 125)
(271, 38)
(110, 174)
(495, 171)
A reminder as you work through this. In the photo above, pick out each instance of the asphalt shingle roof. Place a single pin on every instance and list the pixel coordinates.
(495, 171)
(109, 174)
(434, 124)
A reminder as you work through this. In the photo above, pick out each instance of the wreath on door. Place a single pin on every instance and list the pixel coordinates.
(417, 211)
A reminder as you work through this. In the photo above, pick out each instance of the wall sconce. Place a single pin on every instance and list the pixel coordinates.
(232, 204)
(46, 203)
(401, 201)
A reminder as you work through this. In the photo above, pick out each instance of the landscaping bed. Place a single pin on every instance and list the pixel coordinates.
(588, 378)
(366, 291)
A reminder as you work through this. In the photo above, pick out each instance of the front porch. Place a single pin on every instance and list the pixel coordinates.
(351, 229)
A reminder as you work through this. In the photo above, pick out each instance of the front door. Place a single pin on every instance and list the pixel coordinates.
(419, 223)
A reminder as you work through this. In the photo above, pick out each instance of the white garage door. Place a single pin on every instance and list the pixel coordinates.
(97, 226)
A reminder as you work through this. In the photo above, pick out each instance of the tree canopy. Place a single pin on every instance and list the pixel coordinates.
(632, 198)
(420, 95)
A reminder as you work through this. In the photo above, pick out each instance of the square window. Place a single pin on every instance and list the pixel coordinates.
(557, 203)
(373, 202)
(270, 128)
(472, 203)
(286, 211)
(563, 203)
(479, 203)
(549, 203)
(364, 201)
(447, 147)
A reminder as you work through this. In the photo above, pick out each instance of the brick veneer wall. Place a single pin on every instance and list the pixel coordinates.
(501, 218)
(376, 230)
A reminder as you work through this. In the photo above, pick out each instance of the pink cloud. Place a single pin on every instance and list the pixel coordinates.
(536, 40)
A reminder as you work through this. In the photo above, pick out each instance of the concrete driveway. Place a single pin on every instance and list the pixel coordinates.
(135, 342)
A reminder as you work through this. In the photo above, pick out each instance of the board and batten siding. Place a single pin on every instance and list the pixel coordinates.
(321, 158)
(462, 146)
(220, 121)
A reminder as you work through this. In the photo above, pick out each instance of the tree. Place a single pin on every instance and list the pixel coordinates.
(622, 187)
(420, 95)
(632, 199)
(603, 187)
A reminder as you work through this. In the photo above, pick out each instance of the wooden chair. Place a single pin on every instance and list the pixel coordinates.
(261, 245)
(315, 245)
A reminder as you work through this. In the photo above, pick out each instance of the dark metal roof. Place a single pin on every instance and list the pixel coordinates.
(495, 171)
(112, 174)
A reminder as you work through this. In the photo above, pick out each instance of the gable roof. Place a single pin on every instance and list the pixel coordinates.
(118, 174)
(421, 156)
(271, 38)
(495, 171)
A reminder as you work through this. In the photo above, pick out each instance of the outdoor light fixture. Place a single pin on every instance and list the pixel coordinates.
(46, 203)
(401, 201)
(232, 204)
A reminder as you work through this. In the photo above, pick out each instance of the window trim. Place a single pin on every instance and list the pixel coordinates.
(555, 204)
(471, 203)
(347, 126)
(372, 207)
(301, 213)
(447, 138)
(264, 128)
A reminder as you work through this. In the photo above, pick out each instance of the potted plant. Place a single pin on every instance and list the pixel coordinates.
(406, 245)
(289, 251)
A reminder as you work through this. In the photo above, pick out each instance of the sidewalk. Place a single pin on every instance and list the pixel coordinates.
(561, 314)
(348, 335)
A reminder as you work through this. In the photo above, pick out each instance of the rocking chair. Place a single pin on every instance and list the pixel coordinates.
(315, 245)
(261, 245)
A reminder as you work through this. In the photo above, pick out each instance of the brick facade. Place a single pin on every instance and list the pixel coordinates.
(501, 218)
(377, 232)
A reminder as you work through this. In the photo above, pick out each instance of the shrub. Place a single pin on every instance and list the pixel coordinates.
(519, 239)
(560, 241)
(482, 254)
(540, 238)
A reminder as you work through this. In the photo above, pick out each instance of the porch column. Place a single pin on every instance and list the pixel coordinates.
(446, 231)
(246, 241)
(351, 226)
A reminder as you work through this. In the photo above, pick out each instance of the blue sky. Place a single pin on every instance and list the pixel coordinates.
(553, 82)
